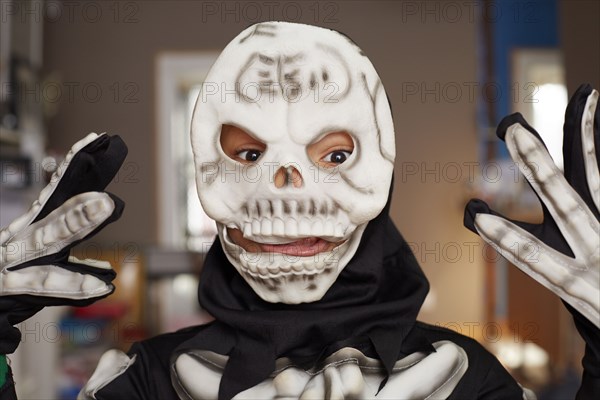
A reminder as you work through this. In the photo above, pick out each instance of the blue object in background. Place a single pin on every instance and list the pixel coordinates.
(513, 24)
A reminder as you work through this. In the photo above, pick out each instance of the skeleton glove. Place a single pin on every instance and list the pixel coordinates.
(35, 267)
(563, 252)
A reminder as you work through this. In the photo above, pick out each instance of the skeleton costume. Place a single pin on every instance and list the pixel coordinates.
(338, 323)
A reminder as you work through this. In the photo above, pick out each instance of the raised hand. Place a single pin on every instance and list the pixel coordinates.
(36, 269)
(563, 252)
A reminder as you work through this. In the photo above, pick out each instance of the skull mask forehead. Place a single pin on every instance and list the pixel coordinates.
(287, 86)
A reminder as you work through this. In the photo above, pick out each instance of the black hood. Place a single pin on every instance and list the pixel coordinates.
(372, 306)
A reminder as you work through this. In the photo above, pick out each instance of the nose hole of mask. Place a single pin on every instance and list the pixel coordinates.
(288, 177)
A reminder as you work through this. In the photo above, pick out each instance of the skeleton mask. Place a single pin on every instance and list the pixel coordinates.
(288, 87)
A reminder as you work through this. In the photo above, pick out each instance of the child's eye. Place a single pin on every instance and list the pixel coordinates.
(331, 150)
(238, 145)
(337, 156)
(250, 155)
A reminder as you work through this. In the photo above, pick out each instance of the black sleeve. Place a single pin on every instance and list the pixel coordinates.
(149, 377)
(499, 384)
(590, 381)
(132, 383)
(485, 378)
(7, 390)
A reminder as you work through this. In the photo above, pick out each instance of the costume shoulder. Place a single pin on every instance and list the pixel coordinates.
(141, 374)
(485, 378)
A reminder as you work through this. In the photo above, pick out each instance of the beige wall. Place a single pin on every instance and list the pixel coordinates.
(406, 50)
(580, 41)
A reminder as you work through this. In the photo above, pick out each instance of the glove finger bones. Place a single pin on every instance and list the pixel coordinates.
(52, 281)
(21, 222)
(73, 220)
(575, 220)
(568, 278)
(589, 151)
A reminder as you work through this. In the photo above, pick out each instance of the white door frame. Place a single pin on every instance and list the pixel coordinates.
(174, 70)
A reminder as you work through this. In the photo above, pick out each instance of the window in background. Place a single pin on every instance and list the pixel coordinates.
(185, 231)
(200, 229)
(541, 94)
(182, 222)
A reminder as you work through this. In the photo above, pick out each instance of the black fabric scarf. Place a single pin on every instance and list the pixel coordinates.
(372, 306)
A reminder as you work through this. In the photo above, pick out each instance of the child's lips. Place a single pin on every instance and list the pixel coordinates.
(305, 247)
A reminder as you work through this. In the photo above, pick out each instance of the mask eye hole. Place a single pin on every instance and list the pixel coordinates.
(238, 145)
(332, 150)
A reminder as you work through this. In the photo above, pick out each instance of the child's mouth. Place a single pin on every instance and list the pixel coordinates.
(303, 247)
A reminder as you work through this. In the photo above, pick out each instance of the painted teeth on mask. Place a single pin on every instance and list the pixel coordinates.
(339, 230)
(264, 208)
(317, 226)
(256, 227)
(291, 227)
(247, 229)
(278, 221)
(252, 267)
(285, 268)
(292, 207)
(287, 230)
(278, 227)
(304, 227)
(277, 207)
(305, 268)
(328, 229)
(298, 267)
(280, 208)
(263, 271)
(266, 227)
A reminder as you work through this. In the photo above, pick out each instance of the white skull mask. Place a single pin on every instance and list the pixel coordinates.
(288, 86)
